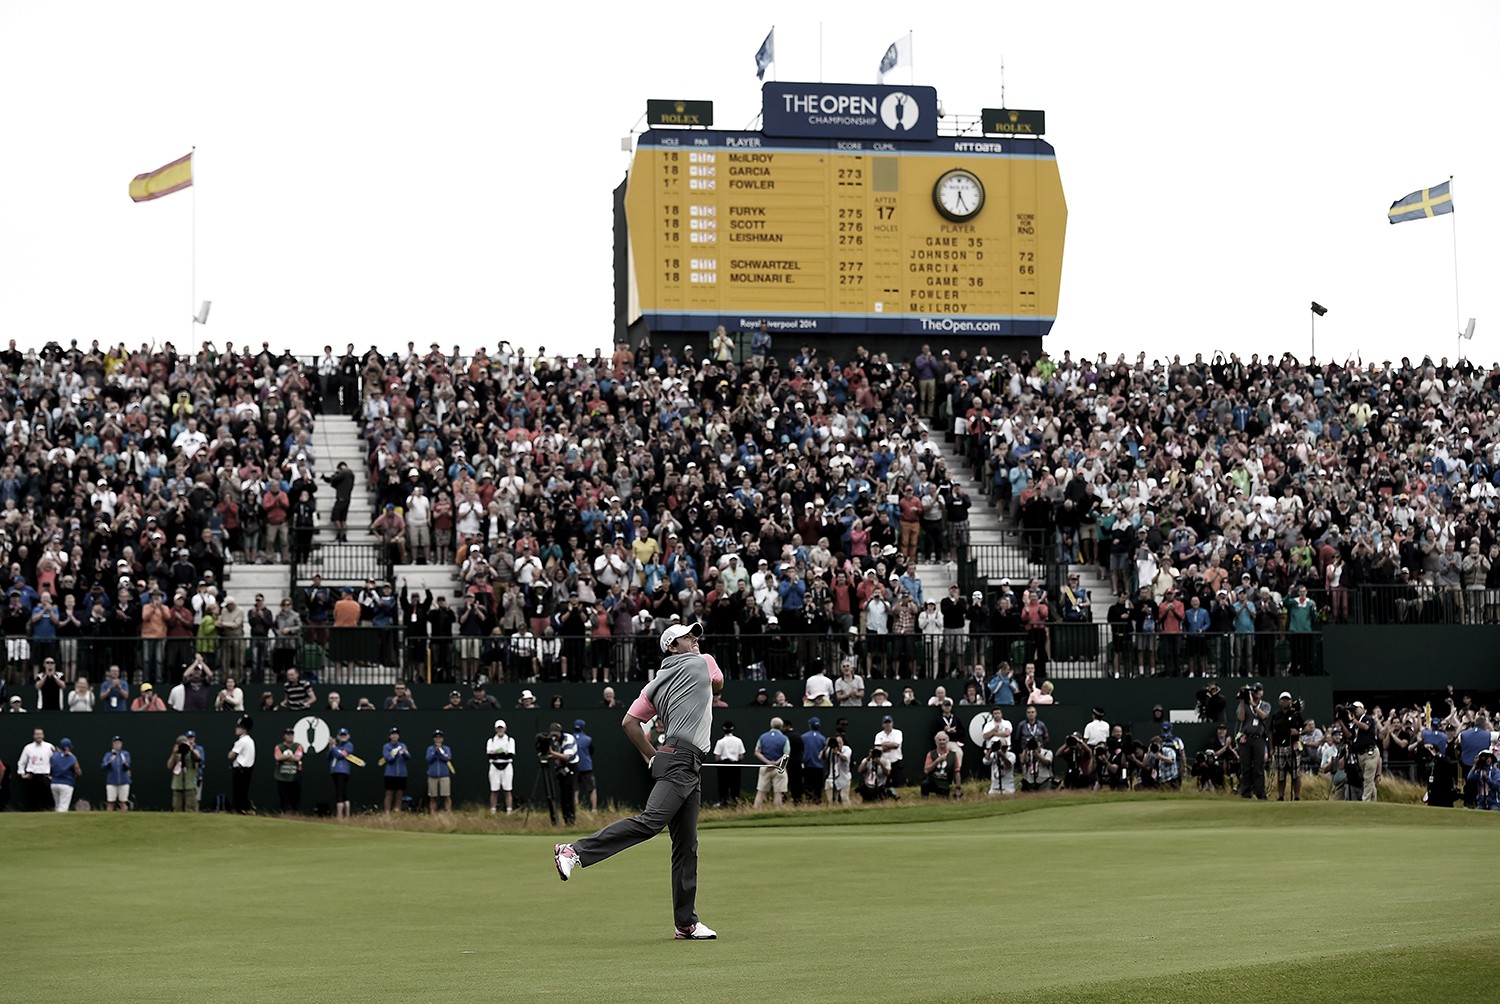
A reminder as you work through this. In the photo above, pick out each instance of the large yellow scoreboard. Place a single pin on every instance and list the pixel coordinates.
(954, 235)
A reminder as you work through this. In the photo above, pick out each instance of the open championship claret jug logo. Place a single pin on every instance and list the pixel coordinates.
(313, 733)
(900, 111)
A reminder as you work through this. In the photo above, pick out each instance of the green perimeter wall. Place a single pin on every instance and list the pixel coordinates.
(1387, 664)
(149, 737)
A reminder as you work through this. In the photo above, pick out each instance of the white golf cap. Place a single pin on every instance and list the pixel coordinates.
(499, 723)
(1287, 694)
(676, 631)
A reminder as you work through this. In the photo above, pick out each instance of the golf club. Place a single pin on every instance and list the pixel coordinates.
(780, 764)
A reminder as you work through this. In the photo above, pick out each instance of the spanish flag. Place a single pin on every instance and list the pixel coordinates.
(173, 177)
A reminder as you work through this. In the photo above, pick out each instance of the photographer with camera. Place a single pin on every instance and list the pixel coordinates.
(183, 763)
(1485, 777)
(1252, 715)
(1034, 765)
(1472, 741)
(1001, 762)
(558, 751)
(1286, 745)
(1364, 751)
(1334, 758)
(1223, 752)
(1211, 703)
(874, 776)
(1171, 757)
(1077, 760)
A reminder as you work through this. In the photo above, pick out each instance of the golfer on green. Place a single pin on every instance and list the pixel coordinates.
(681, 695)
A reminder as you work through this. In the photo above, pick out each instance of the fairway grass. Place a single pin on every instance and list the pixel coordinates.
(1062, 900)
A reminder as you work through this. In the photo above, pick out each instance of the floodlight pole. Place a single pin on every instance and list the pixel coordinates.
(1317, 310)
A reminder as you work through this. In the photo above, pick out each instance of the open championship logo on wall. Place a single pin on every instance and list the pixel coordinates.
(312, 732)
(899, 111)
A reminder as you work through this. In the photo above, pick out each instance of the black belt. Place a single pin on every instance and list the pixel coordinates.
(681, 747)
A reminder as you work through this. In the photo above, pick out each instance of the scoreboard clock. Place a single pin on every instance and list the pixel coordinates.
(950, 236)
(958, 195)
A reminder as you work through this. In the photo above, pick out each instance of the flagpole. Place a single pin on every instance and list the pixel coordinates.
(1457, 313)
(193, 287)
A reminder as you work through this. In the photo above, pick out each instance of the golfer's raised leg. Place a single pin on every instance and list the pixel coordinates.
(675, 779)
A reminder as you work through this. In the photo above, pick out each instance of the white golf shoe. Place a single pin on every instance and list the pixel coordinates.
(566, 859)
(696, 932)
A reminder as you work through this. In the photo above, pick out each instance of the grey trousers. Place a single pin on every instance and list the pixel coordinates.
(675, 796)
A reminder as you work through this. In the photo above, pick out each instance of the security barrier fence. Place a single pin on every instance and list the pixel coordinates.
(376, 655)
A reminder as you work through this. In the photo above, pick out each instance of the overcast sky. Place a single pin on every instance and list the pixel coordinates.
(377, 173)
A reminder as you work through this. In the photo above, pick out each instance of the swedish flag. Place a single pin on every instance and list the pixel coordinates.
(1420, 205)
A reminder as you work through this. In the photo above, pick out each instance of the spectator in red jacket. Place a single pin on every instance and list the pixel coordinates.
(277, 508)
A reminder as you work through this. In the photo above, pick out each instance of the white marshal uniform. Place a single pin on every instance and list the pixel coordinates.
(500, 777)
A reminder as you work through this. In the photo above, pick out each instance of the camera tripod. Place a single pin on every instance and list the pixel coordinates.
(547, 782)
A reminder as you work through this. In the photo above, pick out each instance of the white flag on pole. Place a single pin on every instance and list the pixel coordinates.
(898, 54)
(765, 55)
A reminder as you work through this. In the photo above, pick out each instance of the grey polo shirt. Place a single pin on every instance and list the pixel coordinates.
(683, 697)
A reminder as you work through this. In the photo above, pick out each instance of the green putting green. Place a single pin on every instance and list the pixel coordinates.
(1092, 899)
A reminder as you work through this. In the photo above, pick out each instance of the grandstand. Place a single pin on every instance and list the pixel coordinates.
(520, 518)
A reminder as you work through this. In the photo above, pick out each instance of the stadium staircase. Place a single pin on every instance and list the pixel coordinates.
(988, 530)
(337, 438)
(243, 580)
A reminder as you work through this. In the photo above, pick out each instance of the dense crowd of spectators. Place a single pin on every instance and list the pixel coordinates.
(1187, 477)
(591, 500)
(130, 480)
(783, 500)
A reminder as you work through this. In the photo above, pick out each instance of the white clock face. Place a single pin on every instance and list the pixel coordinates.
(958, 195)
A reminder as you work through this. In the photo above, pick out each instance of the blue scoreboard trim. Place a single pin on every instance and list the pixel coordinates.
(854, 324)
